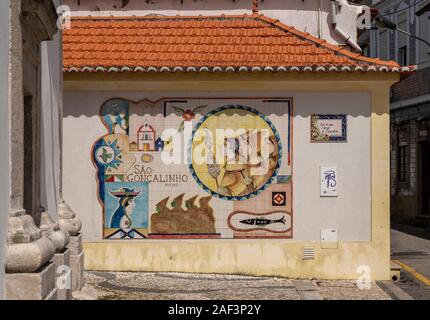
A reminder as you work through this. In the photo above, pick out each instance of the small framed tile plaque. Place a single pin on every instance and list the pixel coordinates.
(329, 182)
(328, 128)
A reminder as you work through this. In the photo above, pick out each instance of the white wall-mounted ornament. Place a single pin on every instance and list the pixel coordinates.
(329, 181)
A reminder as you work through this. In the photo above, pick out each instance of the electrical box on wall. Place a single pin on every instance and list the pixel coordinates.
(329, 238)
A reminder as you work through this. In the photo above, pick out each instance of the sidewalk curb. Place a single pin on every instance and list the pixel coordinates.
(393, 290)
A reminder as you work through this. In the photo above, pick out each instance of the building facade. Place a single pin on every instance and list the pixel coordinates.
(410, 107)
(40, 234)
(147, 86)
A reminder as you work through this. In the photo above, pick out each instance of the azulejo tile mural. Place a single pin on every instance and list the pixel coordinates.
(242, 172)
(126, 209)
(195, 168)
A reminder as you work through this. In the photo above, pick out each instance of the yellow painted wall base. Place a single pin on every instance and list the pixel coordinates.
(251, 257)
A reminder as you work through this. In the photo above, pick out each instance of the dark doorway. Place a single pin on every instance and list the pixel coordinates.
(425, 178)
(28, 155)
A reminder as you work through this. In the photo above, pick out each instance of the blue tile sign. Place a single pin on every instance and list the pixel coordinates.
(328, 128)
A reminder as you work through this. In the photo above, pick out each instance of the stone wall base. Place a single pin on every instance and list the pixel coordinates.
(39, 285)
(76, 262)
(77, 266)
(63, 275)
(75, 244)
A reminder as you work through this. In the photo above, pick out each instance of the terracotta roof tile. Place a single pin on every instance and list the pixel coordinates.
(145, 43)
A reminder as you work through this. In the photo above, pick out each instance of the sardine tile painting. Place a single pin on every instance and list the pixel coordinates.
(195, 169)
(269, 215)
(273, 224)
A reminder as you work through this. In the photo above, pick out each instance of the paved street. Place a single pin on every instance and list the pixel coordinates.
(414, 255)
(412, 252)
(150, 286)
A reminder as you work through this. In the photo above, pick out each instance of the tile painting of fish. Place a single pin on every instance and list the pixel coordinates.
(274, 222)
(262, 221)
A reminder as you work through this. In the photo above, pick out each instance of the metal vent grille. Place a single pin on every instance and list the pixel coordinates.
(308, 253)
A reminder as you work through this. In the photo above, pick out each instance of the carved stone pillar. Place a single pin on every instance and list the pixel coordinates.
(67, 218)
(68, 221)
(30, 274)
(52, 231)
(27, 250)
(61, 259)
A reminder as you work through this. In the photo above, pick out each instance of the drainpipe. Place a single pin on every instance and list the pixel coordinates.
(340, 32)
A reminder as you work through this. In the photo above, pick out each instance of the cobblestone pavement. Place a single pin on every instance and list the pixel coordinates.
(181, 286)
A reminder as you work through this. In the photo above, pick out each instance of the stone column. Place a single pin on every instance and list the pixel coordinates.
(61, 259)
(51, 66)
(68, 221)
(4, 137)
(30, 274)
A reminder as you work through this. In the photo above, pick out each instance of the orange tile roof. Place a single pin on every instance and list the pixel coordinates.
(204, 43)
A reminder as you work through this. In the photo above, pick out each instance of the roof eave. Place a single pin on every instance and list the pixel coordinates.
(235, 69)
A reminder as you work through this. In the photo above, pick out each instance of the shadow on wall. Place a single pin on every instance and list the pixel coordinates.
(89, 104)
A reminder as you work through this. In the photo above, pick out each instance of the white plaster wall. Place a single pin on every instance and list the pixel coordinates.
(301, 14)
(349, 213)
